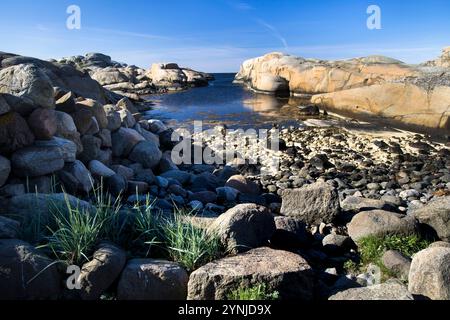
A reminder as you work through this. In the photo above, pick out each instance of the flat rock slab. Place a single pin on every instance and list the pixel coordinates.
(281, 271)
(391, 290)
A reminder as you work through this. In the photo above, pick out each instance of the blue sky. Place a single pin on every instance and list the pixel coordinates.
(217, 35)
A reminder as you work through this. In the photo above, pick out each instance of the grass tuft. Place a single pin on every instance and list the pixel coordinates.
(189, 245)
(259, 292)
(75, 235)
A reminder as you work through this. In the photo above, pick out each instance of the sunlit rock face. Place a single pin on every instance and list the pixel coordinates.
(376, 85)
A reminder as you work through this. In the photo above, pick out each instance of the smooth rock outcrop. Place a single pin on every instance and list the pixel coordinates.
(375, 85)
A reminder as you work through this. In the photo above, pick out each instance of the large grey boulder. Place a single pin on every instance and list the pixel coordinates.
(391, 290)
(381, 223)
(429, 275)
(31, 207)
(25, 273)
(63, 76)
(99, 274)
(29, 83)
(313, 204)
(124, 140)
(436, 214)
(37, 161)
(282, 271)
(68, 148)
(244, 227)
(149, 279)
(146, 153)
(82, 175)
(99, 170)
(5, 170)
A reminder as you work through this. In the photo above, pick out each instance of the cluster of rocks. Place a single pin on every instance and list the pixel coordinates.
(292, 231)
(406, 94)
(134, 82)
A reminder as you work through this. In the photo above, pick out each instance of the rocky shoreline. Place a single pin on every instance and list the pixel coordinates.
(349, 216)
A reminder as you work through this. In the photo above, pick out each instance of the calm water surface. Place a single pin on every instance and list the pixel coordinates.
(223, 102)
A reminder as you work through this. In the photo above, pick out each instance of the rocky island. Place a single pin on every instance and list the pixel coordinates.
(87, 181)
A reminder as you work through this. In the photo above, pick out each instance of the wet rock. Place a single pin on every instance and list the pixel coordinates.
(285, 272)
(244, 227)
(312, 204)
(163, 280)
